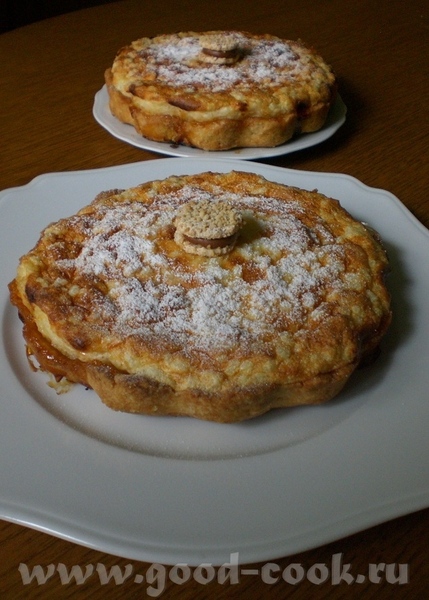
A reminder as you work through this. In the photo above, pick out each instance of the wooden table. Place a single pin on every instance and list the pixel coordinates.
(50, 73)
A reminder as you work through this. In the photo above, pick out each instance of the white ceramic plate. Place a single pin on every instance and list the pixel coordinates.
(127, 133)
(177, 490)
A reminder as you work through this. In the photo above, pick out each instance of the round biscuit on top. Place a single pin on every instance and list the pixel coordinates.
(207, 228)
(220, 49)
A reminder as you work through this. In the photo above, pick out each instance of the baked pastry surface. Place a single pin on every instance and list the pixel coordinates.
(109, 299)
(219, 90)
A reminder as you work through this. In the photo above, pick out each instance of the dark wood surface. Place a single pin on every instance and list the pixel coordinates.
(17, 13)
(50, 73)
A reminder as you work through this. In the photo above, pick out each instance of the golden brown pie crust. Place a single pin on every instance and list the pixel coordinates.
(273, 88)
(109, 300)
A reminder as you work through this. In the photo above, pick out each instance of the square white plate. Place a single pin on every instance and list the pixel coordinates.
(178, 490)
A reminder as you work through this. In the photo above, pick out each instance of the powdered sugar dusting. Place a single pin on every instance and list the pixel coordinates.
(174, 60)
(274, 280)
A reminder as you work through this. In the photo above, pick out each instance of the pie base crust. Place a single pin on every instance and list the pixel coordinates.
(284, 319)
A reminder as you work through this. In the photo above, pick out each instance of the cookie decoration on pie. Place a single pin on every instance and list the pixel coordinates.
(219, 48)
(219, 90)
(207, 228)
(112, 299)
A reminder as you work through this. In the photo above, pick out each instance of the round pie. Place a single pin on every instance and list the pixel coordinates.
(219, 90)
(110, 299)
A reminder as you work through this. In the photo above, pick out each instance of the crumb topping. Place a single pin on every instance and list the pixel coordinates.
(276, 279)
(175, 60)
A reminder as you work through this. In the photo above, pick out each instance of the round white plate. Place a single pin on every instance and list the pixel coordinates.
(174, 490)
(127, 133)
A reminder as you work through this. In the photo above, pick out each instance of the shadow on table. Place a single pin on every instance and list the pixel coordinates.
(16, 13)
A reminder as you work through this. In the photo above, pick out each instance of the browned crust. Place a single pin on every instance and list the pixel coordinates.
(337, 342)
(305, 109)
(141, 395)
(215, 135)
(137, 394)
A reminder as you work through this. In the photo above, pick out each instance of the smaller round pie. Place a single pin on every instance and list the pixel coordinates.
(218, 90)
